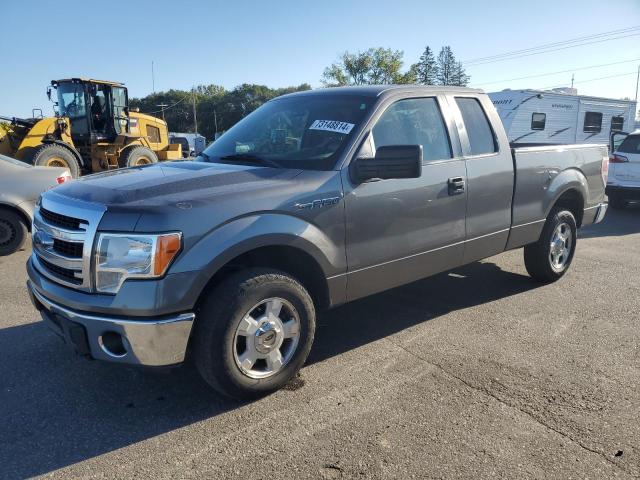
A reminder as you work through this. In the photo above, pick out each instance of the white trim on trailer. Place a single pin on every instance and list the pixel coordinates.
(548, 117)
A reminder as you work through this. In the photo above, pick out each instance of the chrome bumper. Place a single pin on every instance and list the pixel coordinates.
(154, 342)
(601, 212)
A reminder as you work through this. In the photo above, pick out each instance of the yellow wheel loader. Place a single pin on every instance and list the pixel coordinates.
(93, 130)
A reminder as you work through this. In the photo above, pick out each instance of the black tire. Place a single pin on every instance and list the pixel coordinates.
(214, 338)
(54, 155)
(13, 232)
(137, 156)
(537, 256)
(616, 202)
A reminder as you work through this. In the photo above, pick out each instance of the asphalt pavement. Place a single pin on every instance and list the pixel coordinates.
(475, 373)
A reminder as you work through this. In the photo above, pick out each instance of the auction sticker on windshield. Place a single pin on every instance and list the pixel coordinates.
(332, 126)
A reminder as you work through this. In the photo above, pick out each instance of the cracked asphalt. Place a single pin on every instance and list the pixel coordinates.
(474, 373)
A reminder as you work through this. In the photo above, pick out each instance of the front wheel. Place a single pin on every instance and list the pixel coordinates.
(253, 333)
(550, 257)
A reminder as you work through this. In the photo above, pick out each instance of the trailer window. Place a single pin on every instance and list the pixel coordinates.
(538, 121)
(481, 137)
(592, 122)
(617, 123)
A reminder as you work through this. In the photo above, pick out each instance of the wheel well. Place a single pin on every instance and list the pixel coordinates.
(572, 200)
(291, 260)
(24, 216)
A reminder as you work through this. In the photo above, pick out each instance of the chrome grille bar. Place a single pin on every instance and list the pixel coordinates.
(72, 272)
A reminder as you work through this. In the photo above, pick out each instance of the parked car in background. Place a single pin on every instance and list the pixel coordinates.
(20, 185)
(623, 185)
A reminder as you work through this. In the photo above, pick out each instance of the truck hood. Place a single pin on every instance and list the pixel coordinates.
(165, 184)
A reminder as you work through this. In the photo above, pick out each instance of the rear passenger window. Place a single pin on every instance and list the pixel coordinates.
(481, 137)
(538, 121)
(414, 121)
(592, 122)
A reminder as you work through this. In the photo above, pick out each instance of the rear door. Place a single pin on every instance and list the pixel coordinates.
(490, 176)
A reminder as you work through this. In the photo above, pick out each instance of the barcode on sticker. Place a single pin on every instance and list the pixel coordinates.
(332, 126)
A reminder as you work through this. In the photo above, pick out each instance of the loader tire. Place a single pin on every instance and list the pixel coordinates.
(137, 156)
(54, 155)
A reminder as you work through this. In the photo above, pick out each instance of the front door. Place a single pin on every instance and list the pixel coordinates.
(401, 230)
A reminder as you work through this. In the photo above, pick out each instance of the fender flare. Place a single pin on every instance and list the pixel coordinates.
(569, 179)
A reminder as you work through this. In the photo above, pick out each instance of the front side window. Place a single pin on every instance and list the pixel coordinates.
(481, 137)
(71, 100)
(617, 123)
(592, 122)
(538, 121)
(153, 134)
(301, 131)
(414, 121)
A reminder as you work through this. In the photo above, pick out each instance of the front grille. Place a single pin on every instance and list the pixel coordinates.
(68, 249)
(65, 273)
(60, 220)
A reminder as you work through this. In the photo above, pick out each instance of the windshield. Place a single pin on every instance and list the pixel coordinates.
(71, 101)
(307, 132)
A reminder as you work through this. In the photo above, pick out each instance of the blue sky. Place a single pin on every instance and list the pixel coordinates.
(290, 42)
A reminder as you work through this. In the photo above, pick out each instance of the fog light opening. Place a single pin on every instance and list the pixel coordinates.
(113, 344)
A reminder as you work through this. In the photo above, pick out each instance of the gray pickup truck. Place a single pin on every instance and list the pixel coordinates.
(313, 200)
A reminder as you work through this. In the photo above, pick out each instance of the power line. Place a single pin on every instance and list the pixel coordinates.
(558, 72)
(592, 79)
(554, 44)
(512, 56)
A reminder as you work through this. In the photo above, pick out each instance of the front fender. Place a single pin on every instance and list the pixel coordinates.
(247, 233)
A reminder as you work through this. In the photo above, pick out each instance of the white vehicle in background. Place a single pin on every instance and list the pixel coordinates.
(539, 117)
(623, 184)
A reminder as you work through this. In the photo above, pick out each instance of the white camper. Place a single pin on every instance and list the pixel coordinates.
(541, 117)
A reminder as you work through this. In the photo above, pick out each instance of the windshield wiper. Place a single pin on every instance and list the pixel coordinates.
(252, 159)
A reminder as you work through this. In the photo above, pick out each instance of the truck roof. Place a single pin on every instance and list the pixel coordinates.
(89, 80)
(380, 90)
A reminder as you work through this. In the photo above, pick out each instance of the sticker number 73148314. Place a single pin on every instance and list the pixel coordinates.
(332, 126)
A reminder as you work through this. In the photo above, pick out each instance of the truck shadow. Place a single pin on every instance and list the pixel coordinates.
(616, 223)
(57, 410)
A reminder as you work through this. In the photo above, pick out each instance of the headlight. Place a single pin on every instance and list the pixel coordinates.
(123, 256)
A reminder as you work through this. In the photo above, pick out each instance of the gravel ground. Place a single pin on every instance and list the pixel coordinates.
(472, 374)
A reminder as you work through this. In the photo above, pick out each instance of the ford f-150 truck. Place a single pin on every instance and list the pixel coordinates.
(313, 200)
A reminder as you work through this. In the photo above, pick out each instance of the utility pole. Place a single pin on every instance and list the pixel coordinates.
(153, 78)
(572, 77)
(162, 105)
(195, 115)
(637, 81)
(215, 123)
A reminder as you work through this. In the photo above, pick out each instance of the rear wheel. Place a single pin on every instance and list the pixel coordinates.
(54, 155)
(550, 257)
(617, 202)
(137, 156)
(13, 232)
(253, 333)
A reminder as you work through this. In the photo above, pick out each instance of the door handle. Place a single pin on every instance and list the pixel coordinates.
(456, 185)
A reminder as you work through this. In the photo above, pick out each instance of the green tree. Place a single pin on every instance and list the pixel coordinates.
(426, 70)
(450, 71)
(375, 66)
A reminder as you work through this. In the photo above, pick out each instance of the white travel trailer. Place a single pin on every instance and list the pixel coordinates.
(541, 117)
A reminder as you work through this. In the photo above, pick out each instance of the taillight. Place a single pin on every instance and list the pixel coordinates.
(605, 169)
(63, 178)
(615, 158)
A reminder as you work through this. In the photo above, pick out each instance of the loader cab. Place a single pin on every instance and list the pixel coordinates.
(97, 110)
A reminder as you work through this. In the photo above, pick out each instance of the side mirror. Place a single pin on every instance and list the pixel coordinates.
(392, 161)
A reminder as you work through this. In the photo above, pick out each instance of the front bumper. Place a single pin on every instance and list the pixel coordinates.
(152, 342)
